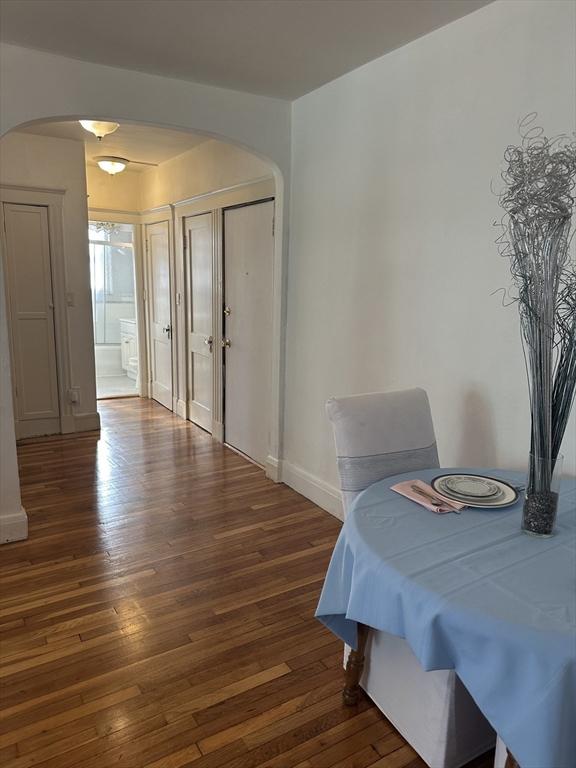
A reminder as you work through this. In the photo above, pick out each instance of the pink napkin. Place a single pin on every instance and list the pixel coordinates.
(407, 488)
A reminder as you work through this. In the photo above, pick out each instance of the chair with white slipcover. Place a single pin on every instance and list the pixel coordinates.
(377, 436)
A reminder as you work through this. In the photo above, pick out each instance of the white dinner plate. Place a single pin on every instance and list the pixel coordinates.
(504, 496)
(470, 486)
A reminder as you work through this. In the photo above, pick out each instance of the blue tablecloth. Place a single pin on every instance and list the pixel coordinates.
(472, 593)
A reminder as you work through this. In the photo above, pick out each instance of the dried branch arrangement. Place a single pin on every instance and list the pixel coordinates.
(538, 198)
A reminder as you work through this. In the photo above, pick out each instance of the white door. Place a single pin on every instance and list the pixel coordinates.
(198, 234)
(159, 312)
(248, 280)
(31, 317)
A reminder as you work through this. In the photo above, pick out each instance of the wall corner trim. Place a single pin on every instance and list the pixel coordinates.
(27, 188)
(165, 208)
(93, 212)
(219, 191)
(320, 492)
(13, 526)
(218, 431)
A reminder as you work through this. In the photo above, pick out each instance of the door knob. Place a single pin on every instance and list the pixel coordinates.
(167, 330)
(227, 311)
(226, 343)
(209, 341)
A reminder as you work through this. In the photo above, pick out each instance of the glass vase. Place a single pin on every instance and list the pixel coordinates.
(542, 490)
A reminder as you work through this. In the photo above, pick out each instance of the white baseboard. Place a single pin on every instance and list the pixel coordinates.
(325, 495)
(180, 409)
(272, 467)
(86, 422)
(13, 526)
(36, 428)
(68, 424)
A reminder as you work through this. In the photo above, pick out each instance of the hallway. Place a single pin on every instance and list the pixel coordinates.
(161, 612)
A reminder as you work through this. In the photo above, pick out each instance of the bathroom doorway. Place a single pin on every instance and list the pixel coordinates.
(112, 280)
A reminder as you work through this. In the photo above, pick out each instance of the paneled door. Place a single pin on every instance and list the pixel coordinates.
(248, 280)
(159, 312)
(31, 320)
(199, 249)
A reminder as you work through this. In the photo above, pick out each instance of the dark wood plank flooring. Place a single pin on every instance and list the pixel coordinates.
(161, 613)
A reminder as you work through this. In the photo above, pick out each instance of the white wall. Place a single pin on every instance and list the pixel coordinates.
(392, 264)
(13, 519)
(41, 161)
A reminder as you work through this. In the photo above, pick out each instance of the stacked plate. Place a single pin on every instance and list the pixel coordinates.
(475, 490)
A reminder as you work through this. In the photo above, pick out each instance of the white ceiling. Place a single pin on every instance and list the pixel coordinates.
(134, 142)
(282, 48)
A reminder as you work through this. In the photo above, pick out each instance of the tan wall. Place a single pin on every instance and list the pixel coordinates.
(116, 193)
(207, 167)
(41, 161)
(210, 166)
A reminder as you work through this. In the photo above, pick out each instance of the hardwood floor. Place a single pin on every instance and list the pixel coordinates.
(161, 612)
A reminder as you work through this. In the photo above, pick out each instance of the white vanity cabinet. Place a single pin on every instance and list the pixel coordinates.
(129, 348)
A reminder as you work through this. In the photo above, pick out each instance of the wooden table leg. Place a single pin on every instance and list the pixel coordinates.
(510, 760)
(354, 667)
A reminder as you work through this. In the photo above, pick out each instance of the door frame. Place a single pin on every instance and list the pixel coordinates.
(118, 217)
(52, 199)
(160, 215)
(248, 193)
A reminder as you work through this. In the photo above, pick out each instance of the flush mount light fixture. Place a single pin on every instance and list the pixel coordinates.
(112, 165)
(99, 128)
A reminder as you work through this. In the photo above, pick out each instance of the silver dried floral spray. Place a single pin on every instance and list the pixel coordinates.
(538, 199)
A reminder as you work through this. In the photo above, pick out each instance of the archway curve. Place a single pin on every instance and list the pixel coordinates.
(276, 170)
(279, 269)
(42, 86)
(36, 85)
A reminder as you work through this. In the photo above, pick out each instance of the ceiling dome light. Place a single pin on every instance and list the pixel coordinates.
(99, 128)
(111, 164)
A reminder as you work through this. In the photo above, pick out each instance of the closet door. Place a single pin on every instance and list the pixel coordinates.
(198, 241)
(159, 312)
(31, 318)
(248, 281)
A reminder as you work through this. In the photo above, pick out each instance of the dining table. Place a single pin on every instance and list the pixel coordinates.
(470, 592)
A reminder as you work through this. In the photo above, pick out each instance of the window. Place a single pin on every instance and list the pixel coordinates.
(111, 278)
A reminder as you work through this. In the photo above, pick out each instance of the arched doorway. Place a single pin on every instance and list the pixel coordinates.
(272, 462)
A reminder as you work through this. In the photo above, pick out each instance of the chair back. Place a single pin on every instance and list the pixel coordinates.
(379, 435)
